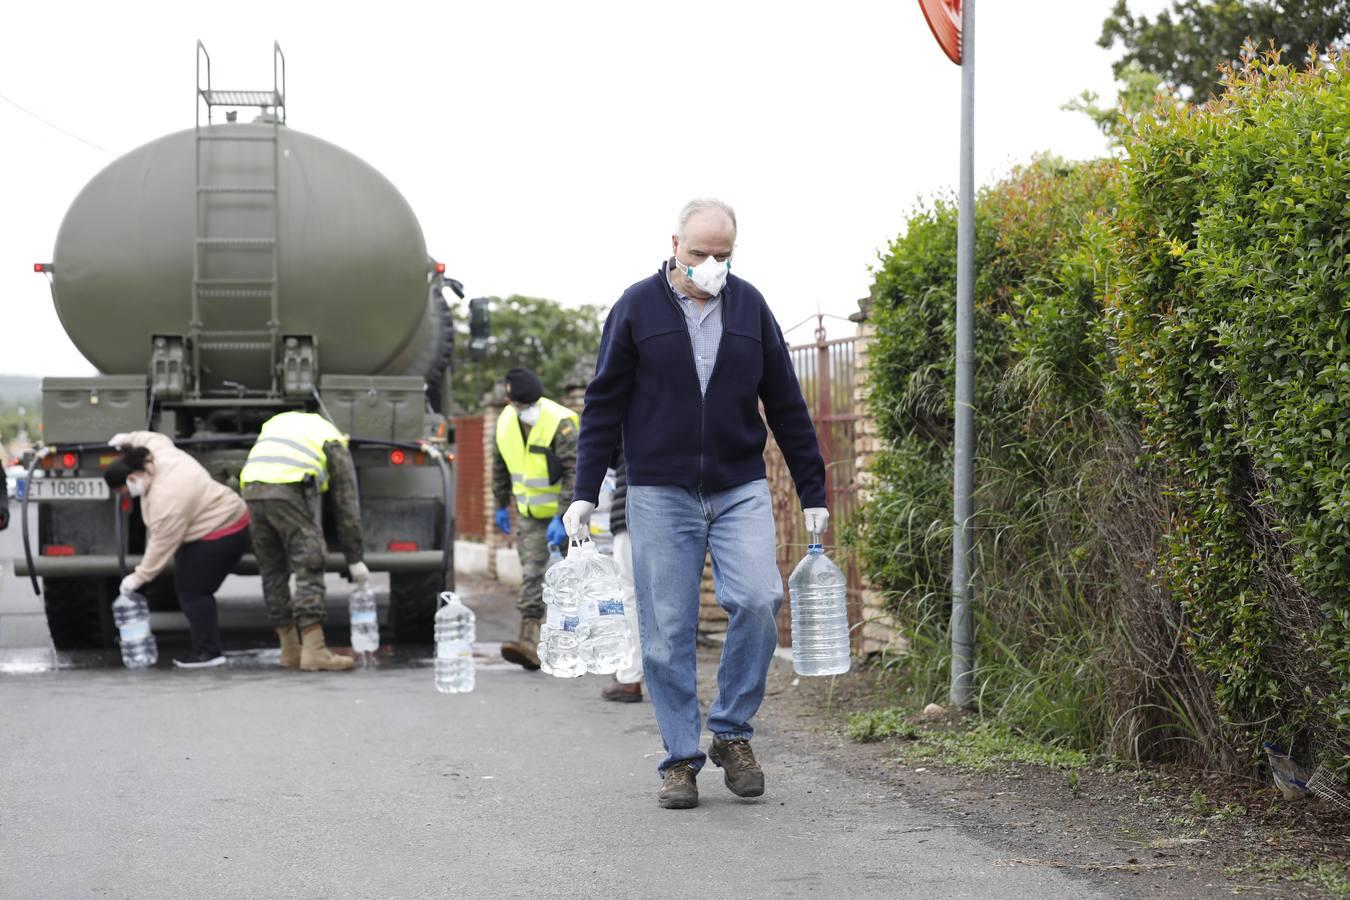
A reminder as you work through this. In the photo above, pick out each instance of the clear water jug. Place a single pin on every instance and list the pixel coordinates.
(560, 636)
(132, 615)
(606, 645)
(455, 633)
(560, 644)
(364, 620)
(562, 582)
(819, 615)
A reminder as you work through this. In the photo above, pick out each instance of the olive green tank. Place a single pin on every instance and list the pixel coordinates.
(351, 266)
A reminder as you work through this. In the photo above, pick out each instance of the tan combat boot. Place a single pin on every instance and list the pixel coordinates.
(315, 655)
(524, 650)
(290, 646)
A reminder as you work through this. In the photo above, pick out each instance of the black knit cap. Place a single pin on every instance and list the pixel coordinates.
(523, 386)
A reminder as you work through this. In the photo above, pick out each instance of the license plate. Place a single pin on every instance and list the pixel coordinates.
(48, 489)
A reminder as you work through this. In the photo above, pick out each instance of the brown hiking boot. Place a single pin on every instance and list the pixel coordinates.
(290, 646)
(742, 774)
(679, 790)
(524, 650)
(315, 655)
(622, 693)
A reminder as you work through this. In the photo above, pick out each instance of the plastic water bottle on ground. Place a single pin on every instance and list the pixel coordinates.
(455, 633)
(132, 615)
(606, 643)
(819, 615)
(365, 620)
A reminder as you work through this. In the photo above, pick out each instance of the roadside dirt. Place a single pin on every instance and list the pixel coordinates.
(1134, 833)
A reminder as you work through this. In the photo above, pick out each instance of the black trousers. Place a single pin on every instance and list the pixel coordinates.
(199, 568)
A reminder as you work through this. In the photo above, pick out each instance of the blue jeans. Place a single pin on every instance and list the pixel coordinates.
(672, 529)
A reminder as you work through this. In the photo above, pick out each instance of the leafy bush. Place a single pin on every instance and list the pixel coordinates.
(1231, 321)
(1162, 385)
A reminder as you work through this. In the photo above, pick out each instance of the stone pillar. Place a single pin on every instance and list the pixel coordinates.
(574, 385)
(493, 402)
(880, 633)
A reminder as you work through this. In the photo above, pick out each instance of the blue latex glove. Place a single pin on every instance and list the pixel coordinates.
(504, 521)
(557, 535)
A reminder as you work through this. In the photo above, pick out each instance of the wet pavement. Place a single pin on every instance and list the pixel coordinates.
(254, 781)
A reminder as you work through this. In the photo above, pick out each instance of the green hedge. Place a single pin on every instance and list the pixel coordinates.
(1163, 395)
(1232, 325)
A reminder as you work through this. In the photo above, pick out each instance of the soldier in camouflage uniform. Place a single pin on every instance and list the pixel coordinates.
(533, 468)
(299, 457)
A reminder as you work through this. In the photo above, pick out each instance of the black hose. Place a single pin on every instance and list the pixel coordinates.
(117, 536)
(23, 526)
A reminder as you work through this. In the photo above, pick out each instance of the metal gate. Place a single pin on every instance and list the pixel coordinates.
(828, 374)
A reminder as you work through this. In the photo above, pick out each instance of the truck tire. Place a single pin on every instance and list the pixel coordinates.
(412, 606)
(79, 612)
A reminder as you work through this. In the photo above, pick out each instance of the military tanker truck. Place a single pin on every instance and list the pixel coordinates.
(215, 277)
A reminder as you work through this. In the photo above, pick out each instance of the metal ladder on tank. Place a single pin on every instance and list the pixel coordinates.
(210, 292)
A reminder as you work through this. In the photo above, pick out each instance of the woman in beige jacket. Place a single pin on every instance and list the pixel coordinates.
(190, 517)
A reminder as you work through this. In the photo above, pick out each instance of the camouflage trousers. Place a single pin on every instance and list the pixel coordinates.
(532, 545)
(287, 538)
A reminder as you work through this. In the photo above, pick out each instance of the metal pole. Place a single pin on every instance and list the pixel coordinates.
(963, 643)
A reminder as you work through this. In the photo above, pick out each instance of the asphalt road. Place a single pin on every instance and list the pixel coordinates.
(251, 781)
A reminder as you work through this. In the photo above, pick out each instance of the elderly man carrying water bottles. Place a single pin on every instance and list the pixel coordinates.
(687, 356)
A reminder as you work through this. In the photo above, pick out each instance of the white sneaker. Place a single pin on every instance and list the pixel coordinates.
(200, 661)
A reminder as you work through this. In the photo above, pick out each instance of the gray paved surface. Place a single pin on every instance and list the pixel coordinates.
(253, 782)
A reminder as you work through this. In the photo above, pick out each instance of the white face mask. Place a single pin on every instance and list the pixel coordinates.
(530, 414)
(136, 487)
(709, 276)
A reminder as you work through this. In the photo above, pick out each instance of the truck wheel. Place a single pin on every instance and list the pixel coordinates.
(79, 612)
(412, 605)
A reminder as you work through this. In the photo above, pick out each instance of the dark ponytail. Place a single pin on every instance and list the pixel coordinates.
(132, 460)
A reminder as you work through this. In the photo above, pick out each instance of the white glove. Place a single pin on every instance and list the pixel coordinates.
(130, 585)
(577, 519)
(817, 520)
(117, 441)
(360, 572)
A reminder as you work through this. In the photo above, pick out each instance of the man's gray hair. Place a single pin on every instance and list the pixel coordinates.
(703, 204)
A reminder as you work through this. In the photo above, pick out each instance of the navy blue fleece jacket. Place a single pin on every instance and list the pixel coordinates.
(646, 390)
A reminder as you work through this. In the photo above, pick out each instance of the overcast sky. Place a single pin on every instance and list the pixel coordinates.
(546, 147)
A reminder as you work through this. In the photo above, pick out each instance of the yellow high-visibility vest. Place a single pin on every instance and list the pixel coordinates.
(536, 496)
(290, 449)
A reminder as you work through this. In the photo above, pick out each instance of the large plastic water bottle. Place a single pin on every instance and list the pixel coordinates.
(455, 633)
(364, 618)
(606, 644)
(561, 634)
(132, 615)
(562, 582)
(819, 615)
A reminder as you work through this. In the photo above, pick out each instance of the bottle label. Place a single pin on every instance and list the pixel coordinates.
(611, 607)
(135, 630)
(363, 617)
(454, 650)
(570, 623)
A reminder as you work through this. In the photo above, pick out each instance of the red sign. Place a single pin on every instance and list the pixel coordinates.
(944, 18)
